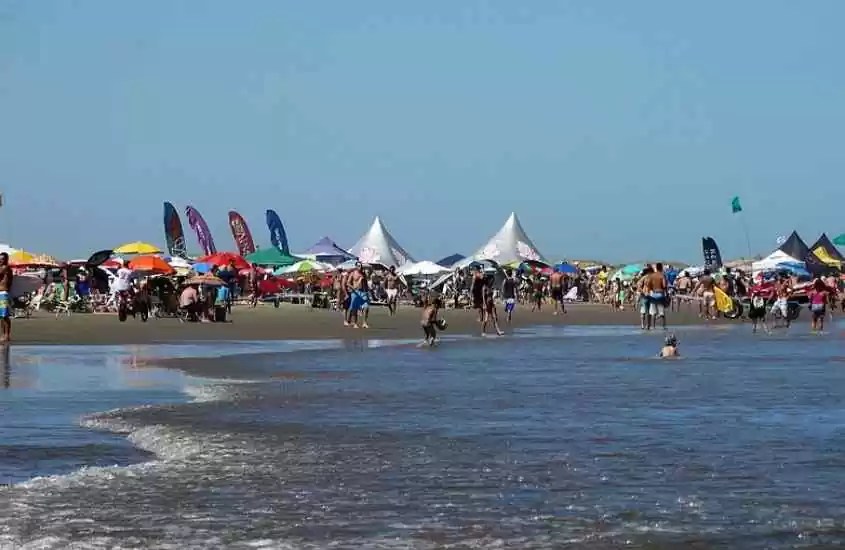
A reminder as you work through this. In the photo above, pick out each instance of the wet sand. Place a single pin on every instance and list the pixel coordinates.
(295, 322)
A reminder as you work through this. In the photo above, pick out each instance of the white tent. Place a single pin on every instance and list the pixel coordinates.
(424, 268)
(510, 244)
(378, 246)
(7, 249)
(772, 261)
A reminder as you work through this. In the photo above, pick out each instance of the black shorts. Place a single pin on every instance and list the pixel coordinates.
(756, 313)
(477, 302)
(557, 294)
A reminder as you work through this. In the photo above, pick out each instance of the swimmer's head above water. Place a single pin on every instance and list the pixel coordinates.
(670, 347)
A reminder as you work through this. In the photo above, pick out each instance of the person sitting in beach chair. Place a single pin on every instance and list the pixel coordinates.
(189, 303)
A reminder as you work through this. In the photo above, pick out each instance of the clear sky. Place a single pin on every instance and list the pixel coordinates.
(616, 130)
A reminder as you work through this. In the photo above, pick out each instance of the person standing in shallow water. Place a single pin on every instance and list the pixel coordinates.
(5, 299)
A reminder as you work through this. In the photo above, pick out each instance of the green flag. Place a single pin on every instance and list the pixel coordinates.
(735, 206)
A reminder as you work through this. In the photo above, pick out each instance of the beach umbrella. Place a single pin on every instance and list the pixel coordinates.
(305, 266)
(207, 280)
(423, 268)
(25, 259)
(271, 256)
(225, 258)
(566, 268)
(137, 247)
(99, 258)
(202, 268)
(152, 264)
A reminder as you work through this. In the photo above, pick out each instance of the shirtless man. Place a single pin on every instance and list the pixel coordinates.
(5, 299)
(643, 299)
(509, 292)
(657, 293)
(391, 285)
(358, 299)
(339, 288)
(683, 286)
(706, 286)
(783, 291)
(556, 284)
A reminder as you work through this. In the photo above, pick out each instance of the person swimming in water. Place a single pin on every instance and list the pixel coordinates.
(670, 347)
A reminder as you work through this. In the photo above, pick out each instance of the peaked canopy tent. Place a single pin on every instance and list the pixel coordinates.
(827, 253)
(509, 244)
(378, 246)
(795, 247)
(449, 261)
(326, 251)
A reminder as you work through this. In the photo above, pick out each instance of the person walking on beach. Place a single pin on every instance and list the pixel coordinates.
(476, 290)
(819, 297)
(358, 299)
(490, 313)
(391, 286)
(252, 281)
(509, 291)
(658, 292)
(556, 285)
(5, 299)
(783, 291)
(706, 288)
(642, 298)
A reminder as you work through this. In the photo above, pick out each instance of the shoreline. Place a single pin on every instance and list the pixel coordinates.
(294, 322)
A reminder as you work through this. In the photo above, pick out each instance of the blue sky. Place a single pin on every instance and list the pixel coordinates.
(617, 130)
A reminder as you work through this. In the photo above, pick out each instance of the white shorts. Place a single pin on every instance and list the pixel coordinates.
(783, 305)
(392, 293)
(709, 298)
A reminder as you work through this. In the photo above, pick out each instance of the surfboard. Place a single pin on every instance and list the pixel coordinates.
(724, 303)
(24, 284)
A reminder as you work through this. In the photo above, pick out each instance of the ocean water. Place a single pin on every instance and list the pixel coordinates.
(555, 438)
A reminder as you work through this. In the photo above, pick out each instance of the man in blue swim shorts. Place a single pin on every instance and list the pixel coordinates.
(359, 297)
(5, 299)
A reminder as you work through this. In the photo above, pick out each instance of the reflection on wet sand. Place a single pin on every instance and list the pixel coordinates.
(6, 364)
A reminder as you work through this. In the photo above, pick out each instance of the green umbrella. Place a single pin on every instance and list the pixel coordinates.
(840, 240)
(271, 256)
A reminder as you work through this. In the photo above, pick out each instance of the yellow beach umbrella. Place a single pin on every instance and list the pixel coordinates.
(21, 257)
(137, 247)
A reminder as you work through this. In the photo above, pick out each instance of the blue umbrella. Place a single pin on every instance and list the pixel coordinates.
(202, 268)
(566, 268)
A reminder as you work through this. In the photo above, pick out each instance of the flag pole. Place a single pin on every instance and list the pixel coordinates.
(747, 238)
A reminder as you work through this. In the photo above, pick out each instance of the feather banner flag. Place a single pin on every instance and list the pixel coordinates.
(197, 223)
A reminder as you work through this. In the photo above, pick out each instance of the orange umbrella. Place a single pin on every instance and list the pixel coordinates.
(152, 264)
(225, 258)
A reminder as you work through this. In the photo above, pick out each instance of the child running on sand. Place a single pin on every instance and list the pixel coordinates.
(429, 320)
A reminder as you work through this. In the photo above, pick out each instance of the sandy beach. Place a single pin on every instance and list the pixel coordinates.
(292, 322)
